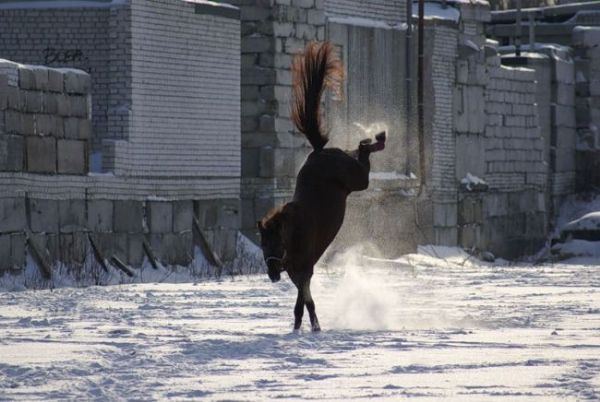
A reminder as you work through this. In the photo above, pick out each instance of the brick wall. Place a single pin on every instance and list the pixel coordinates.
(389, 11)
(67, 37)
(442, 48)
(185, 89)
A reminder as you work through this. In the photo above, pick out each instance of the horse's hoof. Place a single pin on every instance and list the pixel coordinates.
(316, 328)
(380, 137)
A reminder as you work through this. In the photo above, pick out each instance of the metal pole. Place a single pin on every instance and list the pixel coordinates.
(420, 95)
(531, 32)
(408, 87)
(518, 29)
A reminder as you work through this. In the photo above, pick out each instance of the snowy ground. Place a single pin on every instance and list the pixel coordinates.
(421, 327)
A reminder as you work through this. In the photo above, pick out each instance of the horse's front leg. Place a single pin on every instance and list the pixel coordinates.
(298, 309)
(310, 306)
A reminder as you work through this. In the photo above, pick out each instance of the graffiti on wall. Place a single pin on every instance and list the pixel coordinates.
(63, 56)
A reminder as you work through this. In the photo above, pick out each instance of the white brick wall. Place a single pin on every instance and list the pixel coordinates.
(185, 92)
(390, 11)
(115, 188)
(514, 146)
(443, 77)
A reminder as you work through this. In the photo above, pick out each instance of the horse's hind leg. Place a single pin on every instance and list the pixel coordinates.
(310, 306)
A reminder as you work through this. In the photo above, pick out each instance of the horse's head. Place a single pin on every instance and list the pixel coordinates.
(274, 230)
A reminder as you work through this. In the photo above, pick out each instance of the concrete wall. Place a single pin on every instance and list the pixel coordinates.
(586, 43)
(167, 119)
(499, 139)
(45, 122)
(51, 207)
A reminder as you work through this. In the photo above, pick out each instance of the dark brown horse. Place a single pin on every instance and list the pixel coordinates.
(295, 236)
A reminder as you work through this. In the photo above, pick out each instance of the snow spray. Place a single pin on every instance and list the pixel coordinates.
(361, 299)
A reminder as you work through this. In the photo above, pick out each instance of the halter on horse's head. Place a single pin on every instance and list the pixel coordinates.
(272, 240)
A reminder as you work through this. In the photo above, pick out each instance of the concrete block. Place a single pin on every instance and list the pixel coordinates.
(85, 129)
(40, 243)
(183, 213)
(306, 32)
(73, 247)
(28, 124)
(470, 210)
(55, 81)
(160, 216)
(17, 250)
(462, 72)
(5, 258)
(315, 17)
(12, 215)
(207, 213)
(224, 244)
(11, 153)
(3, 92)
(172, 248)
(594, 87)
(256, 13)
(12, 252)
(77, 82)
(49, 103)
(44, 124)
(72, 157)
(229, 214)
(72, 216)
(108, 243)
(257, 44)
(445, 215)
(26, 78)
(250, 162)
(41, 78)
(128, 216)
(470, 155)
(100, 215)
(41, 154)
(79, 106)
(63, 104)
(495, 204)
(14, 98)
(470, 236)
(12, 122)
(43, 215)
(135, 249)
(565, 94)
(445, 236)
(283, 29)
(33, 101)
(586, 36)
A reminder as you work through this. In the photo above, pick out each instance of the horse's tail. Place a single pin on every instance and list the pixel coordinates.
(313, 70)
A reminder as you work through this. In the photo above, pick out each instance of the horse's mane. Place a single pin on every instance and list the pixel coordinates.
(313, 70)
(277, 216)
